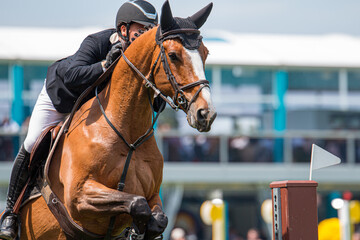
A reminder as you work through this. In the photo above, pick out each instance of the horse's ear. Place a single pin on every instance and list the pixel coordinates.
(201, 16)
(167, 18)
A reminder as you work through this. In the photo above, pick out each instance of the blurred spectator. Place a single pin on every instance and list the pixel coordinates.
(178, 234)
(302, 149)
(8, 144)
(25, 125)
(253, 234)
(337, 147)
(233, 235)
(191, 149)
(245, 149)
(356, 236)
(191, 237)
(9, 126)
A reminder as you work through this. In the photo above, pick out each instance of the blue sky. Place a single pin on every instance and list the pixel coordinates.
(250, 16)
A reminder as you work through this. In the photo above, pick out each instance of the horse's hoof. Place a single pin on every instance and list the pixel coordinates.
(140, 209)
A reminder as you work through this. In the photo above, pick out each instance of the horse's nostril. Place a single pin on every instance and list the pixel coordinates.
(202, 114)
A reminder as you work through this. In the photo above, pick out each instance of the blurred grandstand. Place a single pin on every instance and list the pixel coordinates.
(275, 96)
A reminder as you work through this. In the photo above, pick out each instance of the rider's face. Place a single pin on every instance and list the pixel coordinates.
(133, 30)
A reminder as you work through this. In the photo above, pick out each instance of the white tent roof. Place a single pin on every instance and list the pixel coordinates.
(285, 50)
(42, 44)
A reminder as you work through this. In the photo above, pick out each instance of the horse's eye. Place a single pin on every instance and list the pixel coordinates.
(173, 57)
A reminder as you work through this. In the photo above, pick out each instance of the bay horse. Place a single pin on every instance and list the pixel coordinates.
(89, 159)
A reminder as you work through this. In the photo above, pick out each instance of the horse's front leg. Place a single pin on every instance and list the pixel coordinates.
(158, 220)
(97, 200)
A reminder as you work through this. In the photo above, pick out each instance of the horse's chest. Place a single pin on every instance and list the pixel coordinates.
(144, 173)
(147, 171)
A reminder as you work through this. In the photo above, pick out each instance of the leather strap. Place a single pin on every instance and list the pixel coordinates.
(148, 83)
(194, 84)
(17, 205)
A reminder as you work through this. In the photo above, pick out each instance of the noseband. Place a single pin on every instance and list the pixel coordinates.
(179, 100)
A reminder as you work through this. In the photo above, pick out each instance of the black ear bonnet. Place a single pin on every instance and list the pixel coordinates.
(190, 39)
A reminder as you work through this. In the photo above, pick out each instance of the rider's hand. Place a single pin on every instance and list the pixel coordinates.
(113, 54)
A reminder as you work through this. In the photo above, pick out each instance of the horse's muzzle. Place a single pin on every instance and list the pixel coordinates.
(201, 119)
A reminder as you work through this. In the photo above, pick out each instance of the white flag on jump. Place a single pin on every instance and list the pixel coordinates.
(321, 158)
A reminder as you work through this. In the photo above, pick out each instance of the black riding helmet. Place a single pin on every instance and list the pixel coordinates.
(138, 11)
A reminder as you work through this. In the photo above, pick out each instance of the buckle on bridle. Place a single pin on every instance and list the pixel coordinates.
(181, 100)
(147, 84)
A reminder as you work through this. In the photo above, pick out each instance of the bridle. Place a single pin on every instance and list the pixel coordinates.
(179, 99)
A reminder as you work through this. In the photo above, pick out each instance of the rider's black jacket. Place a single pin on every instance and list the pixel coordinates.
(67, 78)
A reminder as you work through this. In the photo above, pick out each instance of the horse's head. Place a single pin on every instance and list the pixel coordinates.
(183, 56)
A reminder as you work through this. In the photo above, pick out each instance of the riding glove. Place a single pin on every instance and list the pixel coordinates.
(113, 54)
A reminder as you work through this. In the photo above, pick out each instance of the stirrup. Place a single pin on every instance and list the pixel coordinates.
(6, 213)
(10, 231)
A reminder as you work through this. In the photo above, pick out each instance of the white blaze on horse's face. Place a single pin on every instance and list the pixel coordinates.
(202, 113)
(197, 63)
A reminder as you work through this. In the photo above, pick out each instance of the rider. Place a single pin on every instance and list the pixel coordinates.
(66, 80)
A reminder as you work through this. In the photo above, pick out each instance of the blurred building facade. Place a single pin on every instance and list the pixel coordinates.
(275, 96)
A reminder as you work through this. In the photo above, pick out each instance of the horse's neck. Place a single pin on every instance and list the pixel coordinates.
(126, 97)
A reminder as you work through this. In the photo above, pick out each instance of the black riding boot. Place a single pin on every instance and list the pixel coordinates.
(18, 179)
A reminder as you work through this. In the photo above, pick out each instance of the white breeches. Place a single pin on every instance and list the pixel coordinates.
(43, 116)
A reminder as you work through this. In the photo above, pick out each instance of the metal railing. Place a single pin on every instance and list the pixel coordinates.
(259, 147)
(294, 146)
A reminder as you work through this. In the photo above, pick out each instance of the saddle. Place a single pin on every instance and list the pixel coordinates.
(37, 162)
